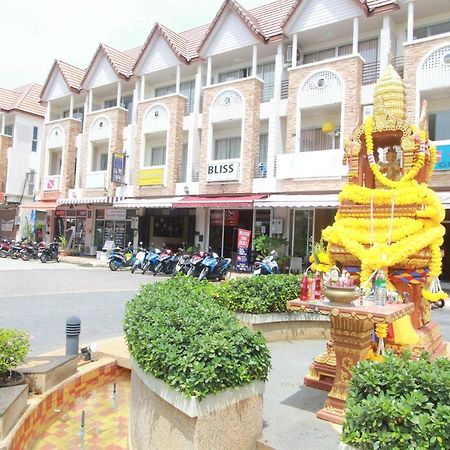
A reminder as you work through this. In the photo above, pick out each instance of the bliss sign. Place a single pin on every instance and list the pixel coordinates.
(222, 171)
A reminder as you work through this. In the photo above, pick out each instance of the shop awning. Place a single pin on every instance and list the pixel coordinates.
(298, 201)
(134, 203)
(107, 200)
(444, 196)
(237, 201)
(40, 205)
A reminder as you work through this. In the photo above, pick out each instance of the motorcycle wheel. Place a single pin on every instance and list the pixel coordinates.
(25, 256)
(203, 273)
(43, 258)
(158, 269)
(3, 254)
(440, 303)
(113, 266)
(15, 255)
(190, 272)
(133, 269)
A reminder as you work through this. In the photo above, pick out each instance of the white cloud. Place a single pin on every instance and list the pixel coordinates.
(36, 32)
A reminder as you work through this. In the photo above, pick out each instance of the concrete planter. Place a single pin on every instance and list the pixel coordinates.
(287, 326)
(343, 446)
(161, 417)
(13, 402)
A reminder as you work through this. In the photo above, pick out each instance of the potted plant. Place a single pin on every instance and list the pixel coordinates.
(63, 245)
(14, 346)
(400, 403)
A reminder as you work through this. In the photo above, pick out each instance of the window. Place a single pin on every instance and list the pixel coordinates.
(155, 156)
(99, 160)
(188, 90)
(165, 90)
(55, 161)
(314, 139)
(228, 148)
(110, 103)
(183, 166)
(439, 125)
(34, 141)
(78, 113)
(263, 146)
(31, 177)
(9, 130)
(267, 73)
(432, 30)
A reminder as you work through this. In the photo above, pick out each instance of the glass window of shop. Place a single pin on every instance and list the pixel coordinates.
(302, 229)
(114, 226)
(76, 229)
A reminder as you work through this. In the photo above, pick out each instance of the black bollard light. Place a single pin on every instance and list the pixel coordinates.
(73, 330)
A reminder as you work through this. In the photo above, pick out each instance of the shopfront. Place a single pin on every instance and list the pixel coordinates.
(115, 225)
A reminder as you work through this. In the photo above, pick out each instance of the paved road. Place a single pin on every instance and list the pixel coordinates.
(40, 297)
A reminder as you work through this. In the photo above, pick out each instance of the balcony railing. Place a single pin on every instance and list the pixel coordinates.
(268, 91)
(371, 72)
(189, 105)
(182, 173)
(96, 180)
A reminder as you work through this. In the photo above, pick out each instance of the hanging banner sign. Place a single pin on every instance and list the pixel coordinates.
(115, 214)
(243, 243)
(220, 171)
(118, 168)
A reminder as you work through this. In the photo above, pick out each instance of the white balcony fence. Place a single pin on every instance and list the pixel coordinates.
(96, 180)
(51, 183)
(318, 164)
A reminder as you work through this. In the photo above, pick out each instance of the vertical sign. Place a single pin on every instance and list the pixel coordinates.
(243, 242)
(118, 168)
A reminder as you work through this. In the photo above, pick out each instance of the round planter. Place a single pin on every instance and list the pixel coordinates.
(12, 378)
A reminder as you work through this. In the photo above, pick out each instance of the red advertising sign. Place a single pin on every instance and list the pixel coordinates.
(243, 243)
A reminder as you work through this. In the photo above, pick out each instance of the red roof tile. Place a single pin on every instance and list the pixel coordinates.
(72, 75)
(25, 99)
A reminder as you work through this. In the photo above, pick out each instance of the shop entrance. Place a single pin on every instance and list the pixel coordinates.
(223, 229)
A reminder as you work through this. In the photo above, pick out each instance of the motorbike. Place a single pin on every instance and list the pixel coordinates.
(167, 262)
(438, 304)
(50, 253)
(5, 247)
(267, 266)
(183, 263)
(214, 267)
(16, 248)
(121, 258)
(32, 251)
(151, 260)
(196, 264)
(139, 259)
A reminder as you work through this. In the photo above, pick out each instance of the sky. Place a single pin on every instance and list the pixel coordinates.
(35, 32)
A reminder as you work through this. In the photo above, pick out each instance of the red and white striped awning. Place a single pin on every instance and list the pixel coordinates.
(107, 200)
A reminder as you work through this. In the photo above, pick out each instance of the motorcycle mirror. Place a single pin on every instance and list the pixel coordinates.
(272, 252)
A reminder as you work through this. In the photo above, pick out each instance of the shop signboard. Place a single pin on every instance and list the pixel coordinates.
(243, 244)
(443, 157)
(222, 171)
(7, 225)
(231, 217)
(118, 168)
(151, 177)
(115, 214)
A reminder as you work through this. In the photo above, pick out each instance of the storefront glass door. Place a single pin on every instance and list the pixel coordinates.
(302, 230)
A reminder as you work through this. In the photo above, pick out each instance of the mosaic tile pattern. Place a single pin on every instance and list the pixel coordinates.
(106, 420)
(64, 400)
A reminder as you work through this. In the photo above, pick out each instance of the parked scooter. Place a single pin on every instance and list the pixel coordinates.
(151, 260)
(50, 253)
(267, 266)
(121, 258)
(214, 267)
(139, 260)
(32, 250)
(196, 264)
(5, 247)
(183, 263)
(167, 262)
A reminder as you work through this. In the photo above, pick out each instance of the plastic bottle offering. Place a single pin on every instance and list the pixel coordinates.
(311, 287)
(380, 288)
(317, 287)
(304, 288)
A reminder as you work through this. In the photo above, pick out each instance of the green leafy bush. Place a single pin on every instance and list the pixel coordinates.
(14, 346)
(400, 403)
(177, 333)
(258, 295)
(265, 244)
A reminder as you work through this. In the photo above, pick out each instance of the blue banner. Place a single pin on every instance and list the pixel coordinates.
(443, 157)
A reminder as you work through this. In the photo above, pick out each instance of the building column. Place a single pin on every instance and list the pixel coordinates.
(177, 79)
(294, 50)
(71, 106)
(255, 61)
(410, 29)
(385, 43)
(355, 35)
(91, 97)
(2, 129)
(119, 93)
(135, 100)
(198, 89)
(278, 74)
(208, 72)
(142, 87)
(48, 111)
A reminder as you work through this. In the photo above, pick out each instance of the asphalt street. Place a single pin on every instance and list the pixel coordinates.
(40, 297)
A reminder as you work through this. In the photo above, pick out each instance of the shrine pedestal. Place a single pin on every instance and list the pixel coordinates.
(351, 331)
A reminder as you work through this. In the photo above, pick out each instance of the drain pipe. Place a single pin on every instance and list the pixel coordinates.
(73, 330)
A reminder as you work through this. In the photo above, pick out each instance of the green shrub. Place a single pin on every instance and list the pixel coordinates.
(14, 346)
(400, 403)
(177, 333)
(258, 295)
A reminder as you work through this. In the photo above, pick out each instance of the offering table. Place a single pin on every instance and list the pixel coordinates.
(351, 333)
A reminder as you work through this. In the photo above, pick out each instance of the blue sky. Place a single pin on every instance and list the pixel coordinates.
(36, 32)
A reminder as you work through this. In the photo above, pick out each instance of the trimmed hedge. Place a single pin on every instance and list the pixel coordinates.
(258, 294)
(177, 333)
(401, 403)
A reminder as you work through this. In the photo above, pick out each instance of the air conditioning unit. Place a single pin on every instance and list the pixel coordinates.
(90, 250)
(289, 55)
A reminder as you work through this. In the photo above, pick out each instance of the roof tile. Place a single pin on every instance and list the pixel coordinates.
(25, 99)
